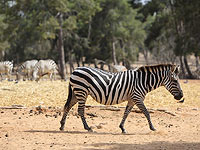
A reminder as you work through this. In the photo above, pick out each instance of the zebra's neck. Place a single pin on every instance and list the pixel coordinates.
(150, 78)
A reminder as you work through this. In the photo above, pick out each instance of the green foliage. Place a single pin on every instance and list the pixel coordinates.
(93, 28)
(3, 43)
(116, 23)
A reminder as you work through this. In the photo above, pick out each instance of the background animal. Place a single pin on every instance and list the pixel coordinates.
(26, 69)
(45, 67)
(6, 68)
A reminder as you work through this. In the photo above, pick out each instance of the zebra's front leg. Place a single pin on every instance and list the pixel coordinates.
(144, 110)
(81, 109)
(126, 112)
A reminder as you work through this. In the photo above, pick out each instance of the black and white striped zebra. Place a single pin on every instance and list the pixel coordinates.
(44, 67)
(6, 67)
(26, 69)
(109, 89)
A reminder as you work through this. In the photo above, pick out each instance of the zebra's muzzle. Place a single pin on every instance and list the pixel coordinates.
(179, 96)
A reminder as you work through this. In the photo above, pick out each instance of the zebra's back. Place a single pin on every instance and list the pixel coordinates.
(27, 66)
(46, 66)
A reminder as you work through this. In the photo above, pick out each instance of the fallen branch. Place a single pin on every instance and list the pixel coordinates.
(13, 107)
(166, 111)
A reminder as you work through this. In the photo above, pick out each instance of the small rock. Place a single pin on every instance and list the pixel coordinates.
(6, 135)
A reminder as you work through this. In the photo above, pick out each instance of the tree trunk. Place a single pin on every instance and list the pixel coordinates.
(61, 50)
(70, 62)
(188, 68)
(182, 66)
(95, 63)
(89, 29)
(127, 64)
(114, 53)
(78, 63)
(197, 62)
(2, 55)
(145, 53)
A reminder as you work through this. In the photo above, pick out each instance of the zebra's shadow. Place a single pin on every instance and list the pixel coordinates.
(78, 132)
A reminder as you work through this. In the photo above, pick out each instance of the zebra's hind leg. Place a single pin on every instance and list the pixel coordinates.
(126, 112)
(81, 109)
(144, 110)
(71, 101)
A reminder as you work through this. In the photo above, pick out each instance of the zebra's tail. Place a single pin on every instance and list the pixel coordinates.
(67, 107)
(70, 92)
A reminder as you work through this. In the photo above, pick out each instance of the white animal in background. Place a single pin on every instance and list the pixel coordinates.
(26, 69)
(44, 67)
(6, 67)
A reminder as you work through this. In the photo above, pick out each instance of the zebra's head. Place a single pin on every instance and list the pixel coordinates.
(172, 83)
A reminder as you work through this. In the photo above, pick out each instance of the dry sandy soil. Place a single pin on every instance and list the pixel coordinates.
(34, 128)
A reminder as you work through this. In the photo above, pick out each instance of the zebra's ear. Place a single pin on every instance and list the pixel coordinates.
(176, 69)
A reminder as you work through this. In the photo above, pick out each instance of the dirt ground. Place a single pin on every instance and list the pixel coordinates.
(35, 129)
(178, 127)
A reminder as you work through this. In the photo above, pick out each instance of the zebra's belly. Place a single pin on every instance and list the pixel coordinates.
(106, 100)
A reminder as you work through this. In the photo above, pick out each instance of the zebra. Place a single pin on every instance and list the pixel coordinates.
(6, 67)
(115, 88)
(26, 69)
(44, 67)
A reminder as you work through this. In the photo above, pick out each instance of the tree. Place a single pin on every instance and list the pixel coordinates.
(115, 32)
(3, 42)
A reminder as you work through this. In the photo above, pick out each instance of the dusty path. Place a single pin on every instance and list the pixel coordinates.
(27, 129)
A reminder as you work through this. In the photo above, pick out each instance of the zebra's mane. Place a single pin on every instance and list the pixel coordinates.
(160, 67)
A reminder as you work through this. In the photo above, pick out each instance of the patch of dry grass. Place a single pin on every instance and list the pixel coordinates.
(55, 93)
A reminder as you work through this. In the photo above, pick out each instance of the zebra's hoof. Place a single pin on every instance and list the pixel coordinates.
(90, 130)
(153, 129)
(124, 132)
(61, 129)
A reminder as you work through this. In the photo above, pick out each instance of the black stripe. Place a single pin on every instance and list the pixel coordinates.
(138, 82)
(122, 85)
(115, 87)
(102, 74)
(127, 81)
(96, 78)
(143, 74)
(79, 95)
(79, 83)
(148, 73)
(81, 90)
(132, 73)
(109, 88)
